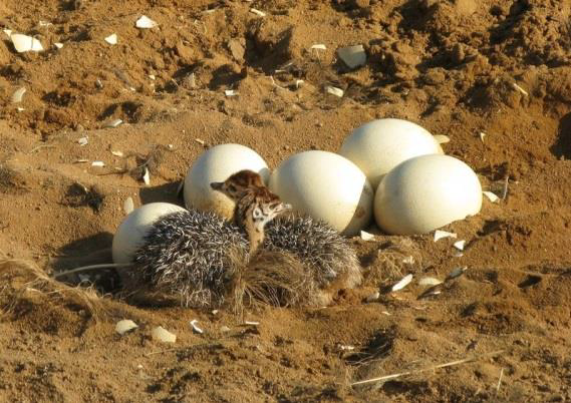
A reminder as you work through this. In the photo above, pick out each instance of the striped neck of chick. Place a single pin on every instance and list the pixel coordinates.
(255, 204)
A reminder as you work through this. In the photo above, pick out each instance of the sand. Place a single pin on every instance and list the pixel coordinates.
(459, 68)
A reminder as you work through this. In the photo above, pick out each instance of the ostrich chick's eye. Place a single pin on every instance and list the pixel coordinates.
(232, 188)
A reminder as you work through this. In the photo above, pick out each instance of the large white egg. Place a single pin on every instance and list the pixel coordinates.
(380, 145)
(216, 165)
(325, 186)
(426, 193)
(130, 234)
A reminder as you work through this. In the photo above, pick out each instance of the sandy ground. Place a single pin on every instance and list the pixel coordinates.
(458, 67)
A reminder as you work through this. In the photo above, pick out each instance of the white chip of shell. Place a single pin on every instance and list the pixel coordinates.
(124, 326)
(193, 324)
(130, 234)
(161, 334)
(128, 205)
(24, 43)
(491, 196)
(402, 283)
(319, 46)
(366, 236)
(18, 95)
(373, 297)
(257, 12)
(111, 39)
(441, 138)
(439, 234)
(216, 165)
(147, 177)
(460, 244)
(353, 56)
(429, 281)
(98, 164)
(338, 92)
(145, 23)
(58, 45)
(114, 123)
(327, 187)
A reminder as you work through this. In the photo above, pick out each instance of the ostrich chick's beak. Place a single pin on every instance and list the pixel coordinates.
(217, 186)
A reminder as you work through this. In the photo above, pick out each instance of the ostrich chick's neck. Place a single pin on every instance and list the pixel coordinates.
(254, 210)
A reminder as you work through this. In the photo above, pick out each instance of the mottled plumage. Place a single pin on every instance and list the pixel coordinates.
(200, 257)
(187, 254)
(320, 248)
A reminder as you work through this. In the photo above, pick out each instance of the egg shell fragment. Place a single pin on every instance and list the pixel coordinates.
(380, 145)
(216, 165)
(327, 187)
(426, 193)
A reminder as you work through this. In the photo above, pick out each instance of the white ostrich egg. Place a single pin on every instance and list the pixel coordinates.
(216, 165)
(425, 193)
(380, 145)
(325, 186)
(130, 234)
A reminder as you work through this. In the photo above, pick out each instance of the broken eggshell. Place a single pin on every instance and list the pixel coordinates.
(161, 334)
(353, 56)
(18, 95)
(24, 43)
(124, 326)
(145, 23)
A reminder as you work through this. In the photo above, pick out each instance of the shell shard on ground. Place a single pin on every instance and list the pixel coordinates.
(125, 326)
(159, 333)
(24, 43)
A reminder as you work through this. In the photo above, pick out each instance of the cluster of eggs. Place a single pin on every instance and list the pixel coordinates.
(391, 169)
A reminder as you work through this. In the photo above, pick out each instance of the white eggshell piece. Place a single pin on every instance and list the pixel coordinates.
(406, 280)
(111, 39)
(124, 326)
(25, 43)
(429, 281)
(353, 56)
(327, 187)
(161, 334)
(145, 23)
(491, 196)
(460, 245)
(438, 235)
(216, 165)
(130, 234)
(426, 193)
(380, 145)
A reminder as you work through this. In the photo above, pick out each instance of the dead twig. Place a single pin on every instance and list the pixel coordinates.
(500, 381)
(426, 369)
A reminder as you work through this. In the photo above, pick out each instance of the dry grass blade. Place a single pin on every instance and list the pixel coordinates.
(426, 369)
(271, 278)
(19, 278)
